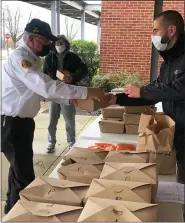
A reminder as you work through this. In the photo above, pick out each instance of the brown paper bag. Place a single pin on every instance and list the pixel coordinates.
(28, 211)
(113, 112)
(166, 162)
(112, 126)
(131, 129)
(136, 172)
(86, 153)
(120, 190)
(98, 164)
(98, 210)
(156, 133)
(127, 157)
(79, 173)
(131, 119)
(50, 190)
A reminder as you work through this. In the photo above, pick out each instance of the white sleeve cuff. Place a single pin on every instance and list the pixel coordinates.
(84, 92)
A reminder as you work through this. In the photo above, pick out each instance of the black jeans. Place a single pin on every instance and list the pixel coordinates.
(16, 144)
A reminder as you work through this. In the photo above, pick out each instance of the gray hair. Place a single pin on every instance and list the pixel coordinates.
(26, 35)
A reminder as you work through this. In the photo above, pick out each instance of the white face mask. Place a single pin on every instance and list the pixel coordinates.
(157, 41)
(60, 49)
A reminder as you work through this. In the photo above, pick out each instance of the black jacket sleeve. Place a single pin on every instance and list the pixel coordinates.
(173, 91)
(78, 70)
(50, 66)
(124, 100)
(46, 64)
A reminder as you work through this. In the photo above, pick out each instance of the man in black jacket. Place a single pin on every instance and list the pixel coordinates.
(61, 59)
(169, 88)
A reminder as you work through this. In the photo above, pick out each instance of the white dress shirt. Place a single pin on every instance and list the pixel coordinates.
(23, 87)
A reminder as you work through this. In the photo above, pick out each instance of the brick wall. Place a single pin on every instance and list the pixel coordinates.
(126, 35)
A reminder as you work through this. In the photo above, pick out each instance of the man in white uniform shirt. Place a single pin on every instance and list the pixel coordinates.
(23, 87)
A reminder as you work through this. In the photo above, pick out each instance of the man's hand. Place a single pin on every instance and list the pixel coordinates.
(73, 102)
(67, 76)
(65, 72)
(133, 91)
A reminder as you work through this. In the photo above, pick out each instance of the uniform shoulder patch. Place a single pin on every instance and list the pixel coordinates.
(25, 64)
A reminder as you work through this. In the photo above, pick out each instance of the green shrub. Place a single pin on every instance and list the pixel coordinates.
(88, 52)
(116, 80)
(102, 82)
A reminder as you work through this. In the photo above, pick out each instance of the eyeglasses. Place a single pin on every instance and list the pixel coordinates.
(42, 41)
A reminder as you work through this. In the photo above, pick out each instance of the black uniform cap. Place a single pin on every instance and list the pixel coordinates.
(39, 27)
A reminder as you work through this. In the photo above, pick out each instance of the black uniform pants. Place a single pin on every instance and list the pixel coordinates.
(16, 144)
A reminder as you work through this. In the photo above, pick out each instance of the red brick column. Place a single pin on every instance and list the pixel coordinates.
(126, 35)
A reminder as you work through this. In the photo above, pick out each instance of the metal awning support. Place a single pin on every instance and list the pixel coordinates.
(72, 8)
(55, 17)
(82, 25)
(93, 7)
(158, 7)
(83, 6)
(99, 33)
(58, 17)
